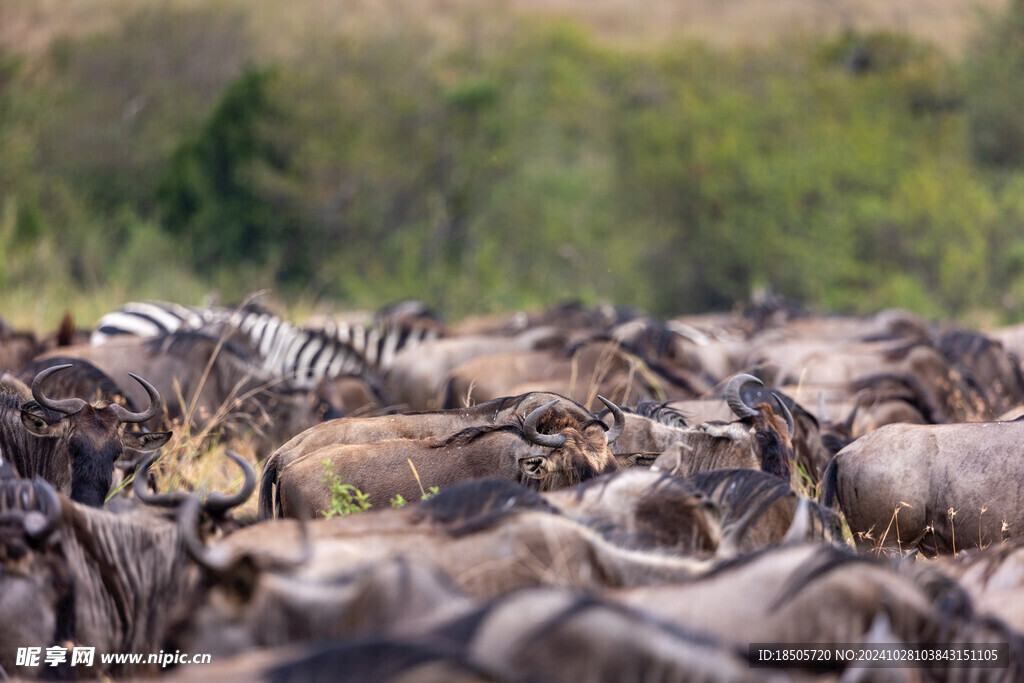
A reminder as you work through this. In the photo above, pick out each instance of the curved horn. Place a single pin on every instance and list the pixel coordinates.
(125, 415)
(848, 422)
(732, 395)
(218, 504)
(790, 424)
(222, 559)
(620, 420)
(216, 560)
(34, 504)
(801, 523)
(142, 492)
(68, 406)
(530, 428)
(48, 501)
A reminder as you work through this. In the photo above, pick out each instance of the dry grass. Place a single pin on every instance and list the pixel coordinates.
(195, 460)
(32, 25)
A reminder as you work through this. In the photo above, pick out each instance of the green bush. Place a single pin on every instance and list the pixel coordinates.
(995, 89)
(517, 167)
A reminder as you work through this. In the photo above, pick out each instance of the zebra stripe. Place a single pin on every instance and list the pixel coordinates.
(142, 319)
(301, 356)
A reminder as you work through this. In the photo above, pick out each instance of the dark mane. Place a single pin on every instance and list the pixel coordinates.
(661, 412)
(818, 565)
(899, 352)
(916, 394)
(470, 434)
(370, 659)
(741, 489)
(956, 344)
(9, 400)
(477, 504)
(583, 602)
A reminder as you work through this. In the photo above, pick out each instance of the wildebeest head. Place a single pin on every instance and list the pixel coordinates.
(579, 450)
(69, 572)
(772, 433)
(31, 575)
(91, 434)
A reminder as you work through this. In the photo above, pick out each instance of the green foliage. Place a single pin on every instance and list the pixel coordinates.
(126, 96)
(399, 501)
(516, 167)
(995, 89)
(210, 194)
(345, 498)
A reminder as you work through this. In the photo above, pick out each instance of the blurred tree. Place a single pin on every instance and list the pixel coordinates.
(995, 88)
(210, 193)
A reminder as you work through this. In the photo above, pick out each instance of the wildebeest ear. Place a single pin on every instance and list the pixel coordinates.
(534, 467)
(145, 441)
(36, 424)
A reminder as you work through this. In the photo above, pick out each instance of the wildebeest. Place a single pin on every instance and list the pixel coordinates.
(82, 380)
(941, 488)
(72, 573)
(209, 383)
(71, 443)
(814, 593)
(552, 447)
(416, 377)
(994, 576)
(17, 347)
(638, 508)
(532, 633)
(599, 365)
(490, 536)
(769, 500)
(759, 439)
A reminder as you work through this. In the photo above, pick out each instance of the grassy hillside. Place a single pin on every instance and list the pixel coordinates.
(512, 155)
(32, 25)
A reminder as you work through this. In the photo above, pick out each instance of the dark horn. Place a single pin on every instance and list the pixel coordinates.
(125, 415)
(68, 406)
(848, 422)
(218, 504)
(732, 395)
(213, 560)
(49, 502)
(530, 428)
(790, 424)
(222, 559)
(620, 420)
(141, 488)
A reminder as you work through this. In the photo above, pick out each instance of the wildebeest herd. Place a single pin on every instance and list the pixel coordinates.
(562, 495)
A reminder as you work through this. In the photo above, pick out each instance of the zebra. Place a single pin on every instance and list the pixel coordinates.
(145, 319)
(379, 342)
(301, 356)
